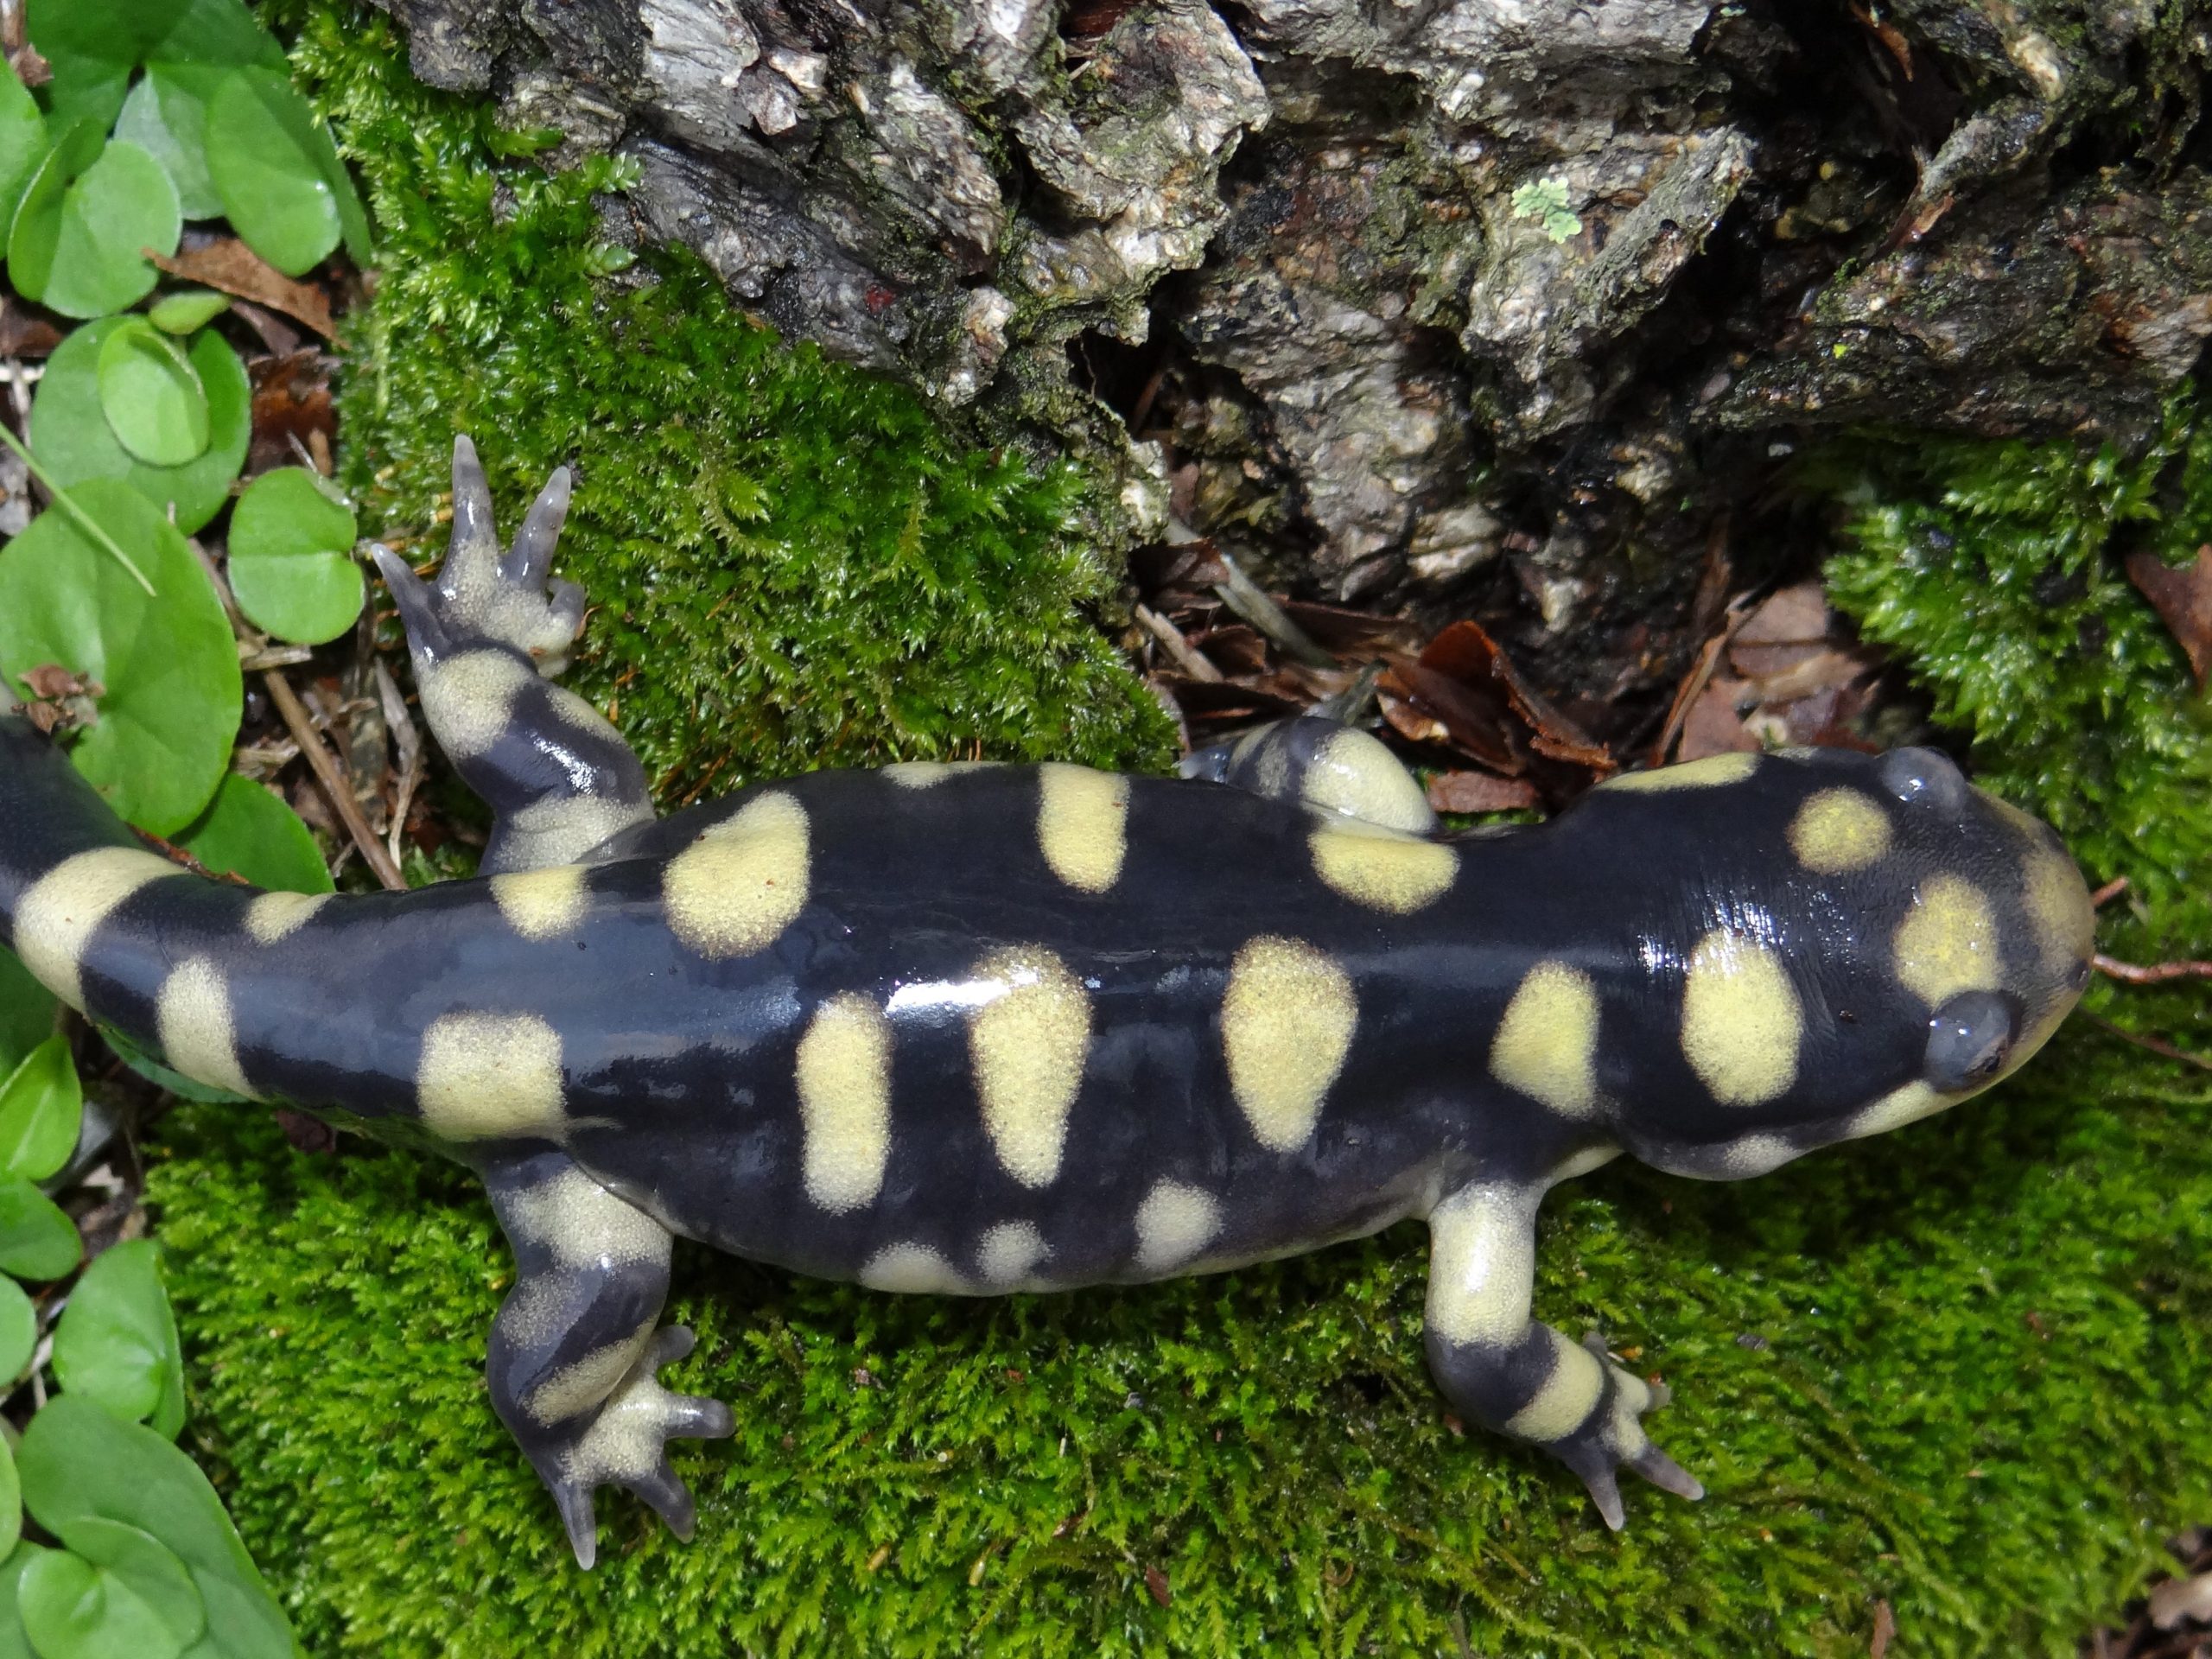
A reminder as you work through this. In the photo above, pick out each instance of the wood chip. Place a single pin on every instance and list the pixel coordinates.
(230, 265)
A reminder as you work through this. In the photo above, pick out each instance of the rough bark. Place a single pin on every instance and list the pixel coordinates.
(1415, 299)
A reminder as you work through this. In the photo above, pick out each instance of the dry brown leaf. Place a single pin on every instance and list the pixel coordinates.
(234, 267)
(1479, 791)
(2182, 600)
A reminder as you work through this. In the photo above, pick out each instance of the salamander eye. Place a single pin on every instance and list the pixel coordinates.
(1924, 777)
(1967, 1040)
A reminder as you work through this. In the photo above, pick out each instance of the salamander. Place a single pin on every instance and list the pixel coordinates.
(969, 1029)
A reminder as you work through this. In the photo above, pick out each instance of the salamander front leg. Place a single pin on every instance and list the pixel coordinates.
(482, 638)
(575, 1351)
(1330, 767)
(1496, 1364)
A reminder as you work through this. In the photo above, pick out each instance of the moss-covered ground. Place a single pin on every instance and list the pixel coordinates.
(1962, 1370)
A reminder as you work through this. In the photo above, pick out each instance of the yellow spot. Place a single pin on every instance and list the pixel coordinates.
(581, 1224)
(1481, 1264)
(1010, 1252)
(1174, 1222)
(1565, 1401)
(577, 1388)
(1838, 831)
(1083, 824)
(1948, 942)
(920, 774)
(1028, 1044)
(1380, 867)
(542, 904)
(2058, 905)
(1583, 1162)
(274, 916)
(196, 1028)
(1356, 775)
(470, 699)
(912, 1269)
(1741, 1021)
(563, 828)
(1758, 1155)
(1898, 1108)
(738, 884)
(1287, 1021)
(1547, 1044)
(57, 914)
(1713, 770)
(488, 1077)
(844, 1101)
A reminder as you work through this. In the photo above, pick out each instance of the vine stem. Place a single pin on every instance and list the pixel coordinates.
(85, 522)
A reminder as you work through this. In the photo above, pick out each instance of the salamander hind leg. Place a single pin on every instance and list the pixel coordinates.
(1523, 1379)
(1330, 767)
(484, 636)
(574, 1352)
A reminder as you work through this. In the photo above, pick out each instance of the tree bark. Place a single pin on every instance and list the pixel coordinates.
(1406, 300)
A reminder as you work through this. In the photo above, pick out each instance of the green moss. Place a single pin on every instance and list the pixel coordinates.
(793, 564)
(1961, 1369)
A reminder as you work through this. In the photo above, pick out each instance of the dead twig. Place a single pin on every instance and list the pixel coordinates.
(2156, 973)
(325, 766)
(2158, 1045)
(1184, 655)
(2110, 891)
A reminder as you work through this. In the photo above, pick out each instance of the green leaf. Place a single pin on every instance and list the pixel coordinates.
(72, 439)
(215, 34)
(162, 738)
(37, 1241)
(23, 143)
(73, 1609)
(11, 1489)
(76, 251)
(26, 1011)
(292, 566)
(34, 228)
(14, 1645)
(167, 117)
(92, 45)
(42, 1109)
(285, 189)
(189, 309)
(18, 1340)
(151, 394)
(247, 830)
(77, 1460)
(147, 1566)
(117, 1341)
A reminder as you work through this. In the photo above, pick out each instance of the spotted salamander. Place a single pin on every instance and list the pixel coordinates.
(974, 1029)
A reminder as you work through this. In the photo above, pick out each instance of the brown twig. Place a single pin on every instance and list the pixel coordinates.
(2156, 973)
(2158, 1045)
(1693, 683)
(325, 766)
(2110, 891)
(1184, 655)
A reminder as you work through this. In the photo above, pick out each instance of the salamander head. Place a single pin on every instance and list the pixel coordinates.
(1883, 941)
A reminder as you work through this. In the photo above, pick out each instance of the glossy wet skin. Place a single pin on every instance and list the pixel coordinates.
(979, 1030)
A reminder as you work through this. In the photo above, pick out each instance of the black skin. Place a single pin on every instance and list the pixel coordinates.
(677, 1070)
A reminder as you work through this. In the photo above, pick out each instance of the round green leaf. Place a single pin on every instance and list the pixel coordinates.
(34, 228)
(37, 1241)
(151, 394)
(162, 742)
(78, 1460)
(248, 831)
(165, 118)
(92, 45)
(283, 186)
(187, 310)
(23, 143)
(117, 1341)
(292, 566)
(79, 253)
(146, 1567)
(42, 1109)
(14, 1645)
(11, 1490)
(26, 1011)
(73, 1609)
(18, 1338)
(70, 436)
